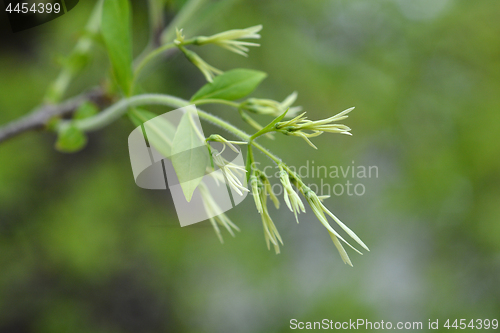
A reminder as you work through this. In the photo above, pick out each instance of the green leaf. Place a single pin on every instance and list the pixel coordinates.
(86, 110)
(270, 126)
(159, 133)
(189, 155)
(231, 85)
(70, 140)
(116, 32)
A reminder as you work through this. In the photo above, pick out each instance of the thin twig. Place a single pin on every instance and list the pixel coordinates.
(39, 117)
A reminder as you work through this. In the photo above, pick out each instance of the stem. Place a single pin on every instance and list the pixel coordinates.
(250, 121)
(224, 125)
(115, 111)
(40, 117)
(217, 101)
(185, 14)
(196, 129)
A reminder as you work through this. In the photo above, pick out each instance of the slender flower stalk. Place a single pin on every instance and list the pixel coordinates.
(229, 39)
(208, 71)
(250, 121)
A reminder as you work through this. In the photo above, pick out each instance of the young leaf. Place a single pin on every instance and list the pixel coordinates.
(189, 155)
(270, 126)
(115, 28)
(71, 140)
(231, 85)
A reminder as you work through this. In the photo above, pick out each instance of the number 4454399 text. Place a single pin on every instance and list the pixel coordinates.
(35, 8)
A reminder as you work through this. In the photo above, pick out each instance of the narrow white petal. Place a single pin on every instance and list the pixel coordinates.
(341, 250)
(346, 228)
(343, 113)
(217, 231)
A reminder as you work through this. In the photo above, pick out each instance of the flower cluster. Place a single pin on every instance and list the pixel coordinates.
(232, 172)
(229, 39)
(208, 71)
(291, 182)
(300, 124)
(261, 188)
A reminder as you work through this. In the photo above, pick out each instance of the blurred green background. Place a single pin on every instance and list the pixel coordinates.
(83, 249)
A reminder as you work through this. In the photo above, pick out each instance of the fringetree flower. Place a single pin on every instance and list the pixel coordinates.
(217, 217)
(229, 169)
(291, 197)
(261, 187)
(319, 210)
(229, 39)
(179, 40)
(300, 124)
(272, 107)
